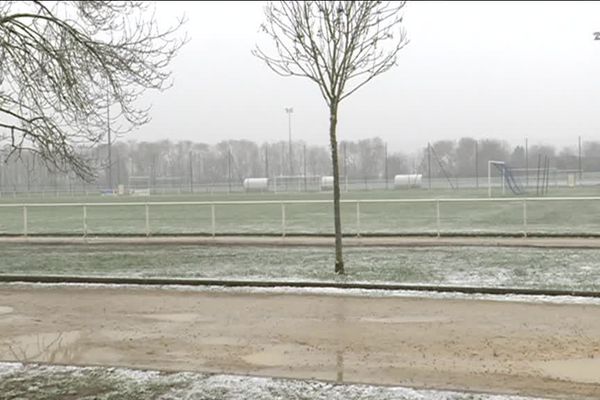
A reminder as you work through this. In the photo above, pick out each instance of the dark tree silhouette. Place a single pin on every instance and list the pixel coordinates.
(339, 45)
(63, 64)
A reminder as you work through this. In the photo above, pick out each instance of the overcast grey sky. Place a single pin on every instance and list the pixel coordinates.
(483, 69)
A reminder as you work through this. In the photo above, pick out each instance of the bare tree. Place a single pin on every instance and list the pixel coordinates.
(339, 45)
(63, 64)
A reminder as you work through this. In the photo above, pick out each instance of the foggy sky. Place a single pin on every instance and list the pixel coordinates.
(491, 69)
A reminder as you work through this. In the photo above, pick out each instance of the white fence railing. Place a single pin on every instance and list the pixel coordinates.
(556, 215)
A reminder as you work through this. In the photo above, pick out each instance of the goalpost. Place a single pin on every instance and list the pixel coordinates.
(490, 163)
(507, 178)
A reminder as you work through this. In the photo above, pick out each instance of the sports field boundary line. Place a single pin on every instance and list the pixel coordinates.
(227, 283)
(310, 241)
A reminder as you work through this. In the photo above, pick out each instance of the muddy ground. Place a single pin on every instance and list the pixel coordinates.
(546, 350)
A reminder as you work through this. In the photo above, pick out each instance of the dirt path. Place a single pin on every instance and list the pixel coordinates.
(389, 241)
(501, 347)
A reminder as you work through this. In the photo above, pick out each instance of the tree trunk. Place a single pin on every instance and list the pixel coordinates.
(339, 262)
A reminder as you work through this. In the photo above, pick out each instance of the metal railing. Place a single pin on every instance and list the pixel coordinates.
(439, 209)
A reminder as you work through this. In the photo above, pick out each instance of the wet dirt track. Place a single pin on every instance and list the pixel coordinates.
(501, 347)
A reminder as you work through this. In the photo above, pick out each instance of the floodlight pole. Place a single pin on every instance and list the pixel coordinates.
(304, 161)
(118, 164)
(229, 170)
(289, 111)
(537, 183)
(109, 140)
(476, 165)
(386, 167)
(429, 164)
(526, 163)
(266, 161)
(191, 174)
(580, 166)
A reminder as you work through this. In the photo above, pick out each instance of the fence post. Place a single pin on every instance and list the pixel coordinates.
(437, 216)
(84, 220)
(525, 217)
(24, 220)
(357, 218)
(147, 220)
(283, 219)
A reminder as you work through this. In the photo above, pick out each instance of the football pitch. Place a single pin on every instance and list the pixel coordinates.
(297, 213)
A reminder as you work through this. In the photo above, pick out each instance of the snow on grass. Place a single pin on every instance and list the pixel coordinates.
(9, 368)
(573, 269)
(37, 382)
(282, 290)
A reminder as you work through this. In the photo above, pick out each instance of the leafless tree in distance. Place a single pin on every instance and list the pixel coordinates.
(63, 64)
(339, 45)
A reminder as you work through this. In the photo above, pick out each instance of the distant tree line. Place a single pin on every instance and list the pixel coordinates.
(469, 157)
(185, 163)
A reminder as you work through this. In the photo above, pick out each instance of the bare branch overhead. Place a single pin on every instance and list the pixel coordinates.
(340, 45)
(62, 64)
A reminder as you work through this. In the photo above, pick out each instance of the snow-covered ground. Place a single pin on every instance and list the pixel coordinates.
(331, 292)
(573, 269)
(37, 382)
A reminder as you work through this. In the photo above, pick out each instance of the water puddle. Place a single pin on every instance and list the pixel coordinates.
(415, 319)
(44, 347)
(584, 370)
(182, 317)
(284, 354)
(6, 310)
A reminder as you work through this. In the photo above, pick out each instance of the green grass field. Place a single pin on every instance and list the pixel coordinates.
(556, 217)
(473, 266)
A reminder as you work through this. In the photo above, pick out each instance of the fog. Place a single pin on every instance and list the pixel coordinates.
(490, 69)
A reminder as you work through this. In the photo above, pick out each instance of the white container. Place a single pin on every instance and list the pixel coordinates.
(327, 183)
(256, 184)
(407, 181)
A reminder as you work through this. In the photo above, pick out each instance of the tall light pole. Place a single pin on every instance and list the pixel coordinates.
(386, 166)
(579, 164)
(109, 141)
(289, 111)
(526, 163)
